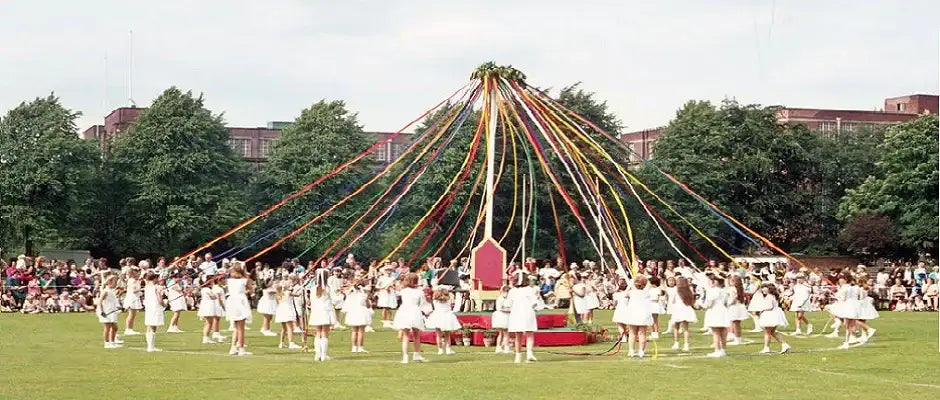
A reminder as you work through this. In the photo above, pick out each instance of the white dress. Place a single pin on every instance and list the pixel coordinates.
(671, 294)
(153, 306)
(846, 305)
(175, 297)
(593, 302)
(237, 307)
(132, 296)
(620, 307)
(867, 309)
(737, 311)
(409, 315)
(581, 303)
(108, 307)
(284, 310)
(716, 308)
(522, 304)
(357, 309)
(801, 298)
(639, 308)
(321, 308)
(756, 304)
(500, 319)
(335, 284)
(773, 316)
(267, 304)
(443, 317)
(655, 296)
(385, 288)
(209, 307)
(680, 312)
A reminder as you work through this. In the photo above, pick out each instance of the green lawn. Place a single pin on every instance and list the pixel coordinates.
(60, 357)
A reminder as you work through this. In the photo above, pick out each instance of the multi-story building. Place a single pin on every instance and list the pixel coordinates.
(826, 121)
(253, 144)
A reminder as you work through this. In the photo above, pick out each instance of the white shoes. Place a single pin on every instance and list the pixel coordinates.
(685, 347)
(404, 359)
(529, 357)
(206, 340)
(765, 350)
(173, 329)
(113, 345)
(416, 357)
(853, 339)
(796, 332)
(809, 329)
(756, 330)
(153, 350)
(268, 333)
(233, 351)
(130, 332)
(119, 341)
(242, 352)
(440, 351)
(640, 354)
(369, 328)
(833, 335)
(675, 345)
(631, 353)
(450, 351)
(785, 349)
(518, 358)
(871, 332)
(714, 354)
(357, 349)
(363, 349)
(845, 346)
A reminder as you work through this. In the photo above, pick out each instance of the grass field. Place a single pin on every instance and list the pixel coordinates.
(60, 357)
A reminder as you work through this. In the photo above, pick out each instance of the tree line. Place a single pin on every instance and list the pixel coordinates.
(171, 182)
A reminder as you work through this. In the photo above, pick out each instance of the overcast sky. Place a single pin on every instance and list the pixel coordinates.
(258, 61)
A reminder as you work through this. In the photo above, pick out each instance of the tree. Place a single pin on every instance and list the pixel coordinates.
(738, 157)
(904, 185)
(584, 104)
(321, 138)
(181, 182)
(870, 235)
(45, 171)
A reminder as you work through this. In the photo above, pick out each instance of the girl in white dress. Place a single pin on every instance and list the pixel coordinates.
(500, 321)
(210, 310)
(638, 316)
(620, 310)
(737, 311)
(801, 304)
(754, 307)
(866, 312)
(771, 318)
(682, 312)
(387, 298)
(153, 310)
(593, 301)
(443, 320)
(322, 314)
(656, 296)
(716, 303)
(409, 320)
(107, 312)
(219, 310)
(267, 306)
(237, 308)
(524, 301)
(358, 315)
(175, 296)
(285, 314)
(336, 282)
(132, 301)
(581, 303)
(846, 308)
(670, 292)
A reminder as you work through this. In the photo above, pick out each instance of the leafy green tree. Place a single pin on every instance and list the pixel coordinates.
(181, 183)
(322, 137)
(869, 235)
(45, 173)
(904, 186)
(584, 104)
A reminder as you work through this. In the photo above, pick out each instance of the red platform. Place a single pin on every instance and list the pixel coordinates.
(543, 338)
(484, 320)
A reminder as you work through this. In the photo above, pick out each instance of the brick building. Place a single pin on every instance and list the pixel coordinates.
(253, 144)
(896, 110)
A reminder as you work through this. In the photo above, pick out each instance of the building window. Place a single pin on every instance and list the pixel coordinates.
(649, 149)
(397, 149)
(382, 153)
(242, 147)
(633, 156)
(827, 126)
(267, 145)
(901, 106)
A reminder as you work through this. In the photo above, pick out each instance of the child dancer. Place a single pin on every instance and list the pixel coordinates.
(153, 310)
(579, 291)
(107, 311)
(801, 304)
(132, 301)
(522, 321)
(210, 310)
(656, 296)
(670, 292)
(847, 308)
(219, 305)
(174, 294)
(267, 306)
(387, 297)
(409, 320)
(500, 321)
(358, 315)
(683, 312)
(336, 282)
(737, 311)
(284, 313)
(867, 312)
(716, 314)
(322, 315)
(620, 311)
(754, 307)
(771, 318)
(237, 308)
(443, 320)
(638, 316)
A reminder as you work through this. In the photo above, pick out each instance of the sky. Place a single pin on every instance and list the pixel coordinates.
(259, 61)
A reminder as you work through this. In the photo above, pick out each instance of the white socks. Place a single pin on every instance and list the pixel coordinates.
(151, 339)
(322, 345)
